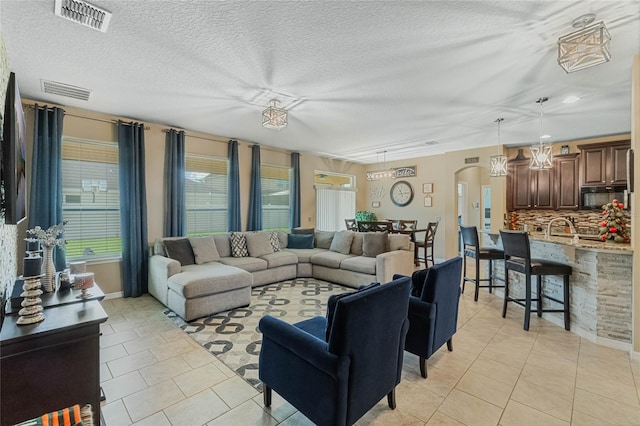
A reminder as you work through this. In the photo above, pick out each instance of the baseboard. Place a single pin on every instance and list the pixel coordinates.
(116, 295)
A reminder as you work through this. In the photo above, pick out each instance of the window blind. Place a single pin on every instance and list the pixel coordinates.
(206, 194)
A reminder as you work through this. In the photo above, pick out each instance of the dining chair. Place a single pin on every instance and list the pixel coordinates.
(407, 225)
(351, 224)
(375, 226)
(427, 243)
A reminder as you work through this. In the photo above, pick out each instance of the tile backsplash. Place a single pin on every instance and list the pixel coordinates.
(586, 221)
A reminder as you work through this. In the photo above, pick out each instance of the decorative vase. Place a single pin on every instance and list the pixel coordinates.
(48, 270)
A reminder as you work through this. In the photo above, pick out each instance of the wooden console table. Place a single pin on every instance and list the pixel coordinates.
(52, 364)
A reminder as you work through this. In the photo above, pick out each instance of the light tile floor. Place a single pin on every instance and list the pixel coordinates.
(154, 374)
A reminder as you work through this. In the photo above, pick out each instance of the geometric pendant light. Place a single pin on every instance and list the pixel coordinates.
(498, 163)
(586, 47)
(541, 157)
(274, 117)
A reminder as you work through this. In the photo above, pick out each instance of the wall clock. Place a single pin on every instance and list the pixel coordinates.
(401, 193)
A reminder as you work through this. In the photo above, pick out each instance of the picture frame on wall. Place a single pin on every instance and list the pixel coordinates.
(427, 201)
(427, 188)
(375, 204)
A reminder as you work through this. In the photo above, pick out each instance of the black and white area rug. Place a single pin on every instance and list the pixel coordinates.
(233, 336)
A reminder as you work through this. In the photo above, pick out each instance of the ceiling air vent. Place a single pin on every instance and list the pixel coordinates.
(83, 13)
(61, 89)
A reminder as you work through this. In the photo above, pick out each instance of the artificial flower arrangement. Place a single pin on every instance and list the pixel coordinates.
(48, 238)
(614, 223)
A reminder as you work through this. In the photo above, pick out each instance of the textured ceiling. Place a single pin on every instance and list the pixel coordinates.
(362, 76)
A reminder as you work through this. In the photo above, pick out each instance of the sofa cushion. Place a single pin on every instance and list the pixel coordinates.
(238, 241)
(304, 255)
(333, 301)
(399, 242)
(180, 250)
(202, 280)
(303, 230)
(330, 259)
(223, 244)
(158, 245)
(204, 249)
(341, 242)
(356, 244)
(251, 264)
(375, 243)
(363, 264)
(279, 259)
(258, 243)
(275, 240)
(303, 241)
(324, 239)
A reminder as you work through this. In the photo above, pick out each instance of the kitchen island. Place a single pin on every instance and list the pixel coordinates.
(600, 289)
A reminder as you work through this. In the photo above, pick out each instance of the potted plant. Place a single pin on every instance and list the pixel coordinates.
(365, 216)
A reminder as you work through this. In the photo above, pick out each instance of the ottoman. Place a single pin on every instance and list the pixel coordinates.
(201, 290)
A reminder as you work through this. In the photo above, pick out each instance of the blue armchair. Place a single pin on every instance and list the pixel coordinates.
(433, 309)
(335, 376)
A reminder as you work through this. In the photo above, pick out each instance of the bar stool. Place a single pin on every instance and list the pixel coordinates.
(517, 257)
(471, 248)
(427, 243)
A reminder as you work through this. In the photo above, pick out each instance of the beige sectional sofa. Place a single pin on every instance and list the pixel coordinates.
(197, 277)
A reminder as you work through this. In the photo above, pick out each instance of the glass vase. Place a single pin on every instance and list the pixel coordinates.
(48, 270)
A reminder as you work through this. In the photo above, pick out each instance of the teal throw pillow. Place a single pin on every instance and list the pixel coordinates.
(300, 241)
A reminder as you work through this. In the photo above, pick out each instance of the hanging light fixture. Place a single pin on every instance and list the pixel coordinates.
(498, 163)
(586, 47)
(541, 154)
(274, 117)
(384, 173)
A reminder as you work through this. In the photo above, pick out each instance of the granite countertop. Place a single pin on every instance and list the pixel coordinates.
(569, 241)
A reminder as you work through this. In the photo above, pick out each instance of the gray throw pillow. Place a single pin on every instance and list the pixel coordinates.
(223, 244)
(375, 243)
(356, 244)
(259, 243)
(323, 239)
(204, 249)
(180, 250)
(341, 242)
(238, 243)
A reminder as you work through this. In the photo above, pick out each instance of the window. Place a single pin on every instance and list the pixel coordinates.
(206, 194)
(335, 199)
(276, 181)
(90, 198)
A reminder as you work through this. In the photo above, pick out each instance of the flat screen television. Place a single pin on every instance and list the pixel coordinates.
(13, 167)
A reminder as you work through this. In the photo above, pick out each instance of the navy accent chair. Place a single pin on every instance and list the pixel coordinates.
(336, 382)
(433, 309)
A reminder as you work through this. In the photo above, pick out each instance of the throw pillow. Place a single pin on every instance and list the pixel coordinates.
(238, 242)
(341, 242)
(375, 243)
(356, 244)
(204, 249)
(324, 239)
(259, 243)
(300, 241)
(333, 301)
(180, 250)
(275, 241)
(399, 242)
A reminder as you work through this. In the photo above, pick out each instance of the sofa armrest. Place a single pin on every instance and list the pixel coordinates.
(160, 269)
(393, 262)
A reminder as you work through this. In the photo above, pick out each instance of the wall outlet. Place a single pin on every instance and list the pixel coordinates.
(309, 219)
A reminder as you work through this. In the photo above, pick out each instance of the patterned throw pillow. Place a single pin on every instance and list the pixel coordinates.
(238, 242)
(275, 241)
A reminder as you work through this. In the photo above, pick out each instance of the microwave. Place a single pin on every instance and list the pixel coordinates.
(594, 197)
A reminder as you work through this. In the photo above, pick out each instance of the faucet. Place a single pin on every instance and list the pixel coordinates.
(564, 219)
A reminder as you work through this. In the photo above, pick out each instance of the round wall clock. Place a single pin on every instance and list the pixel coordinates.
(401, 193)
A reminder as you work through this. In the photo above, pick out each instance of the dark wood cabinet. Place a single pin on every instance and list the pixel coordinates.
(529, 189)
(567, 187)
(52, 364)
(604, 164)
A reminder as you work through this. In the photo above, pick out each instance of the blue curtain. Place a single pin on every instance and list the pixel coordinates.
(294, 201)
(45, 197)
(234, 222)
(133, 208)
(254, 222)
(175, 209)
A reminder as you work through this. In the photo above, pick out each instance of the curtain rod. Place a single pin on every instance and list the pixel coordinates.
(33, 107)
(199, 137)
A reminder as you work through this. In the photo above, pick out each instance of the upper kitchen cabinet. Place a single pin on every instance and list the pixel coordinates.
(604, 164)
(528, 189)
(567, 187)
